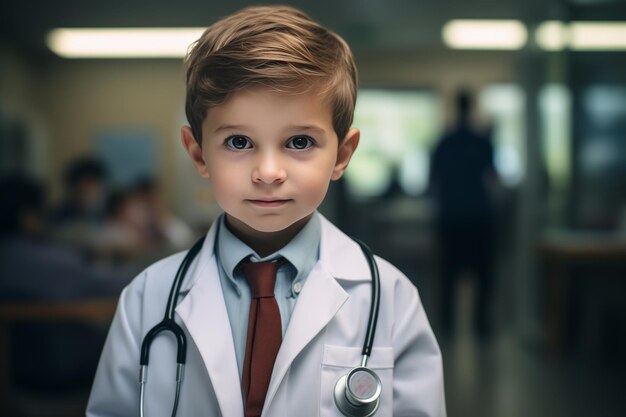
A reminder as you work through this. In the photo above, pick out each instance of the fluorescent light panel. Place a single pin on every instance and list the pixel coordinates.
(552, 35)
(485, 34)
(457, 34)
(608, 36)
(582, 36)
(122, 42)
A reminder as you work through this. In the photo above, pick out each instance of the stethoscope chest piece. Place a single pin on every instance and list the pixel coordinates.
(357, 394)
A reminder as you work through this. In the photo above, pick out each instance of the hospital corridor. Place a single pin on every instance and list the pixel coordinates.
(490, 170)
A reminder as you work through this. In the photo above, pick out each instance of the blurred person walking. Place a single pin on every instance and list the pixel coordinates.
(461, 170)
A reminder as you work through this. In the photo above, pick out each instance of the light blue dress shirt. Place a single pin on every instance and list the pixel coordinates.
(302, 252)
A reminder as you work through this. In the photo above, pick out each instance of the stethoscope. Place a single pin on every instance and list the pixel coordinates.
(357, 394)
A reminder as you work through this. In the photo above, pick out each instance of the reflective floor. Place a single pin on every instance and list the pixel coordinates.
(506, 377)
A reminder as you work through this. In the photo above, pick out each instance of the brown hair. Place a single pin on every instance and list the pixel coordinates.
(279, 47)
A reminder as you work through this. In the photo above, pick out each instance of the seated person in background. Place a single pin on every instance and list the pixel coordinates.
(85, 193)
(79, 216)
(160, 224)
(123, 236)
(32, 268)
(137, 229)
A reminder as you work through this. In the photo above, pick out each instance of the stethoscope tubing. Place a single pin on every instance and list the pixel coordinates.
(375, 304)
(168, 323)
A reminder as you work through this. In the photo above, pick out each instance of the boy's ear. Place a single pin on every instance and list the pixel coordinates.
(194, 150)
(345, 152)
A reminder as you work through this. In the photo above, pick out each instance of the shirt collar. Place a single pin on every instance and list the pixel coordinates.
(302, 251)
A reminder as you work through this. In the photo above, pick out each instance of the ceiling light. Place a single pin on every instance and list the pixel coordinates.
(485, 34)
(122, 42)
(552, 35)
(582, 36)
(607, 36)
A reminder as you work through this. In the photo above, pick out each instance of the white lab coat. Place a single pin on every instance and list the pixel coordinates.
(323, 342)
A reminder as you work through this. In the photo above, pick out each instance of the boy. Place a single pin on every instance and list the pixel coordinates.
(270, 99)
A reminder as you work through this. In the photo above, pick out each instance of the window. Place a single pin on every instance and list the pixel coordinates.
(503, 104)
(398, 130)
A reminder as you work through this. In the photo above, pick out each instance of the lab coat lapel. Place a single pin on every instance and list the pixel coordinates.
(203, 311)
(322, 295)
(321, 298)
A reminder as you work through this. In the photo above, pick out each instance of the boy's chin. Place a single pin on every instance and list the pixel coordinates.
(268, 225)
(280, 226)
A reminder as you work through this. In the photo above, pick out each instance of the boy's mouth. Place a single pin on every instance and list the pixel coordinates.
(269, 202)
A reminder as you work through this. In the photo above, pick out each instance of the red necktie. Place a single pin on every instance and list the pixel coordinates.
(264, 334)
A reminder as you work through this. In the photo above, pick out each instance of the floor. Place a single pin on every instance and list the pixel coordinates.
(506, 377)
(514, 376)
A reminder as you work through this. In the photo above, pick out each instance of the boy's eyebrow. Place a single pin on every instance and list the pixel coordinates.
(229, 127)
(307, 127)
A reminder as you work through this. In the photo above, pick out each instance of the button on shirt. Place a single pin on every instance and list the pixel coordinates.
(302, 252)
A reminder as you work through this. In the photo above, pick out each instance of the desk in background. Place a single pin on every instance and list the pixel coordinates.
(560, 253)
(17, 312)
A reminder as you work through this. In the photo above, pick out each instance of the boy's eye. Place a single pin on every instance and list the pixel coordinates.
(300, 142)
(238, 142)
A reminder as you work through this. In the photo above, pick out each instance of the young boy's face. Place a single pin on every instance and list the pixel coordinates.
(270, 157)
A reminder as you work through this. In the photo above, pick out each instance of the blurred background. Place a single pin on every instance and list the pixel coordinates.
(491, 170)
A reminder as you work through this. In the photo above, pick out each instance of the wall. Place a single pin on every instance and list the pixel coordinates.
(80, 98)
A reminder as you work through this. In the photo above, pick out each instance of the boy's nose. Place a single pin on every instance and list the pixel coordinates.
(268, 169)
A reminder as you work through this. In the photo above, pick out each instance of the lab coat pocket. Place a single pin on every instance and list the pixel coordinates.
(339, 360)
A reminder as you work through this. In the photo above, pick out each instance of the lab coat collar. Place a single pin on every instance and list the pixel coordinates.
(205, 254)
(341, 255)
(337, 253)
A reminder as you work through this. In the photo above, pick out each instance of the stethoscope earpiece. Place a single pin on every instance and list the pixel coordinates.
(357, 394)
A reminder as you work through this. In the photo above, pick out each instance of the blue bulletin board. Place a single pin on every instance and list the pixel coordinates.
(128, 154)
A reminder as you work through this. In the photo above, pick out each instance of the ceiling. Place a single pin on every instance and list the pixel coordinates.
(368, 25)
